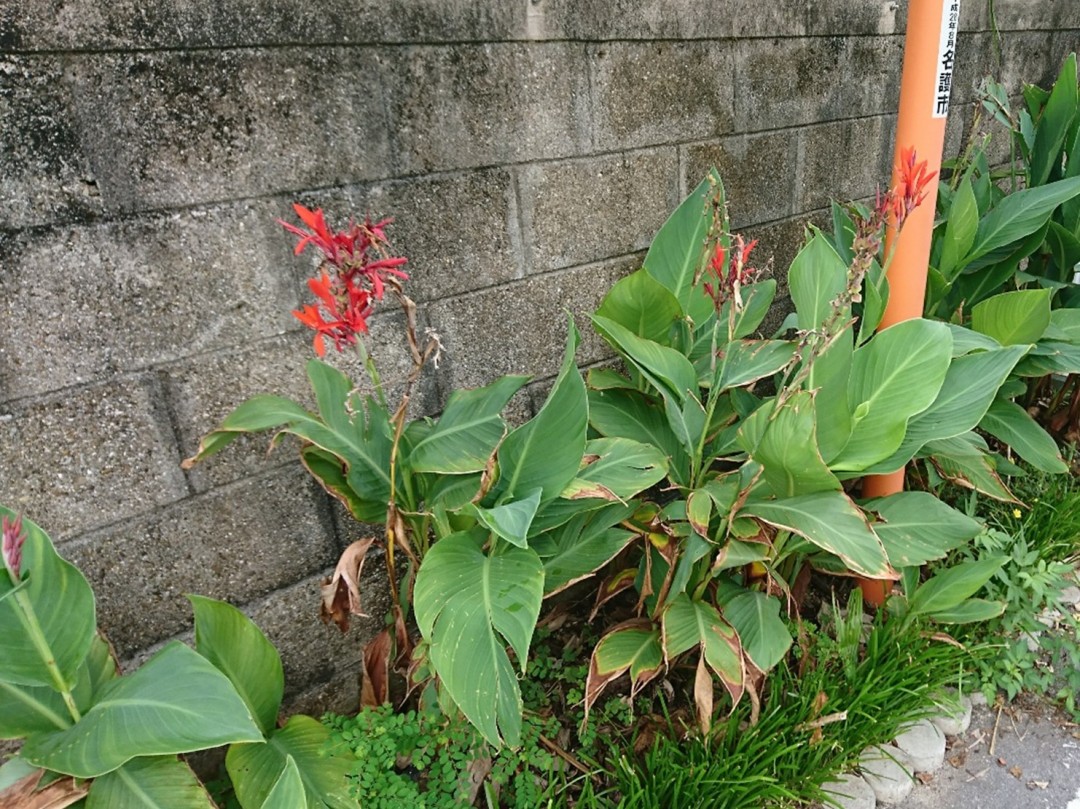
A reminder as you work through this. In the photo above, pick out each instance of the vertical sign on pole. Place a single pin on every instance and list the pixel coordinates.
(926, 81)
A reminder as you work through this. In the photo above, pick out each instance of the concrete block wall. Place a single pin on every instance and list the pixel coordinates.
(529, 150)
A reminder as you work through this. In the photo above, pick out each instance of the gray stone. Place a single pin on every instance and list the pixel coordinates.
(849, 791)
(1025, 59)
(520, 328)
(77, 304)
(862, 17)
(46, 174)
(758, 172)
(924, 742)
(579, 211)
(954, 713)
(89, 457)
(660, 19)
(459, 231)
(787, 82)
(1070, 596)
(85, 24)
(483, 105)
(180, 128)
(843, 161)
(889, 772)
(236, 543)
(660, 92)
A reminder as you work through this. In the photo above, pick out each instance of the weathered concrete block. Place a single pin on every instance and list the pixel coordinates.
(520, 328)
(203, 391)
(924, 743)
(889, 772)
(1022, 15)
(179, 128)
(236, 543)
(845, 160)
(758, 173)
(584, 210)
(85, 24)
(1027, 57)
(45, 173)
(659, 19)
(482, 105)
(842, 17)
(82, 302)
(459, 231)
(660, 92)
(849, 791)
(786, 82)
(86, 458)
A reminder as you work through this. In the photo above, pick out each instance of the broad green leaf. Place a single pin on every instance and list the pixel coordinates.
(239, 650)
(970, 386)
(1014, 318)
(965, 461)
(288, 790)
(627, 414)
(817, 277)
(667, 370)
(63, 607)
(788, 450)
(1050, 357)
(1067, 321)
(326, 468)
(617, 468)
(965, 341)
(875, 299)
(746, 361)
(151, 782)
(545, 452)
(756, 617)
(893, 377)
(176, 703)
(916, 527)
(688, 624)
(738, 554)
(1020, 214)
(830, 378)
(643, 305)
(960, 229)
(256, 769)
(687, 421)
(951, 586)
(676, 253)
(757, 298)
(831, 521)
(633, 646)
(1010, 423)
(468, 431)
(1054, 123)
(512, 520)
(971, 611)
(581, 546)
(469, 606)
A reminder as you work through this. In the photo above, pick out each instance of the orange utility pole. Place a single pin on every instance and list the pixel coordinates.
(929, 60)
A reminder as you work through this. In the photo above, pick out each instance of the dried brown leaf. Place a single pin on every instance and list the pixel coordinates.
(703, 696)
(341, 592)
(23, 793)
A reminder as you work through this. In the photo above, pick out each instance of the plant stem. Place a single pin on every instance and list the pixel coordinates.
(30, 623)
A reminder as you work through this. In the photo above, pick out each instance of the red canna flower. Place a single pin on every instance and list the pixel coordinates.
(341, 313)
(12, 547)
(912, 190)
(730, 278)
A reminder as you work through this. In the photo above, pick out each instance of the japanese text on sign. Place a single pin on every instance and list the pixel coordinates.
(950, 17)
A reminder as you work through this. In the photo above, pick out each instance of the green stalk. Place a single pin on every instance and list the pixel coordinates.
(30, 623)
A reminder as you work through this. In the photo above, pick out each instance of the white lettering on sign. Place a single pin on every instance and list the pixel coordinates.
(946, 61)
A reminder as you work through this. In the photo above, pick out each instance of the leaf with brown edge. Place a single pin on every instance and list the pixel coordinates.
(23, 794)
(692, 624)
(341, 592)
(703, 696)
(632, 646)
(612, 586)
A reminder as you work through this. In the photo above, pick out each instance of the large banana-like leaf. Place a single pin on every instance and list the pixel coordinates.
(288, 791)
(756, 617)
(1057, 120)
(831, 521)
(62, 604)
(176, 703)
(893, 377)
(512, 520)
(688, 624)
(788, 452)
(676, 253)
(668, 370)
(468, 431)
(151, 782)
(965, 460)
(256, 770)
(617, 469)
(916, 527)
(469, 605)
(960, 228)
(747, 361)
(1010, 423)
(1014, 318)
(239, 650)
(545, 452)
(627, 414)
(951, 586)
(580, 547)
(1018, 215)
(643, 305)
(632, 647)
(817, 277)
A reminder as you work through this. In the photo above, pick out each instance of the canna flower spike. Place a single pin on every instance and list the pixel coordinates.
(13, 539)
(730, 273)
